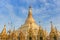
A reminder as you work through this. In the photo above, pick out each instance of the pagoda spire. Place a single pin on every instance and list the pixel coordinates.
(30, 11)
(30, 18)
(52, 27)
(4, 30)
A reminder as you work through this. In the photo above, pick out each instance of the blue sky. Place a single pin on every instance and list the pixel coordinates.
(14, 12)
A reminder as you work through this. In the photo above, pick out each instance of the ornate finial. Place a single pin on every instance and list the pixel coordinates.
(30, 18)
(30, 11)
(5, 26)
(52, 27)
(30, 6)
(51, 24)
(14, 28)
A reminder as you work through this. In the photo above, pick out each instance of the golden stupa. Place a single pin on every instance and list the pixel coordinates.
(30, 30)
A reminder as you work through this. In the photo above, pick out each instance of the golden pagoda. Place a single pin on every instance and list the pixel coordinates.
(30, 30)
(53, 34)
(4, 33)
